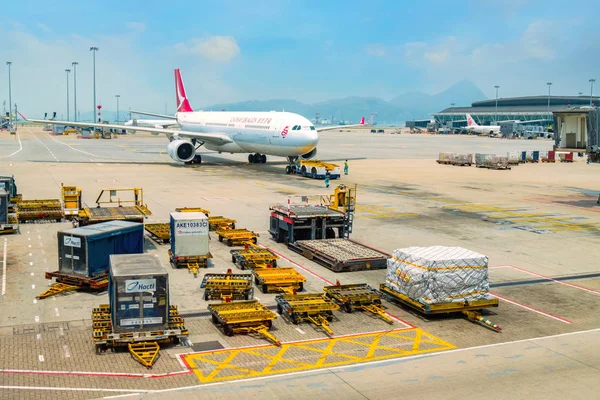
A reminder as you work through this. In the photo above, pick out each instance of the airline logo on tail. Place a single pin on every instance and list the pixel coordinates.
(362, 121)
(470, 121)
(183, 105)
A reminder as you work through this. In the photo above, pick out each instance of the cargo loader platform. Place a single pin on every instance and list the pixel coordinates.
(244, 317)
(89, 216)
(358, 297)
(220, 222)
(144, 346)
(286, 280)
(470, 309)
(313, 307)
(70, 282)
(159, 232)
(237, 237)
(340, 255)
(227, 287)
(252, 257)
(192, 263)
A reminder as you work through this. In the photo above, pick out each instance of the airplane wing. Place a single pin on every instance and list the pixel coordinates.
(153, 115)
(213, 137)
(330, 128)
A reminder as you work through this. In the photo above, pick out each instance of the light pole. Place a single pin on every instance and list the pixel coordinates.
(452, 116)
(9, 63)
(549, 84)
(94, 49)
(67, 71)
(496, 102)
(74, 64)
(117, 96)
(591, 89)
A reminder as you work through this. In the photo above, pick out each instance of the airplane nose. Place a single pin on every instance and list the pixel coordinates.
(312, 138)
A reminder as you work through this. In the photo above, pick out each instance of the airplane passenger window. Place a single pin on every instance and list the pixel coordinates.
(312, 128)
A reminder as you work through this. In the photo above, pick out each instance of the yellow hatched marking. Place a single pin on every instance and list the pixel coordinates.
(305, 356)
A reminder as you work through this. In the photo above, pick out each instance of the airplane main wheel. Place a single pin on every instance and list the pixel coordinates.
(288, 170)
(197, 159)
(251, 158)
(263, 159)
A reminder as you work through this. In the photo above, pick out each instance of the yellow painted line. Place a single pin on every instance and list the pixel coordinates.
(243, 363)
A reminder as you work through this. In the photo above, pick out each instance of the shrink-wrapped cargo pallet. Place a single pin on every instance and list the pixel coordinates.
(462, 159)
(513, 157)
(482, 160)
(445, 158)
(438, 274)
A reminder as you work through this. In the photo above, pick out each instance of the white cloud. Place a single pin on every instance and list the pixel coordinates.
(375, 49)
(216, 48)
(138, 27)
(538, 40)
(43, 27)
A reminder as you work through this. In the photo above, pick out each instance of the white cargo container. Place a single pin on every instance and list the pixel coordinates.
(189, 234)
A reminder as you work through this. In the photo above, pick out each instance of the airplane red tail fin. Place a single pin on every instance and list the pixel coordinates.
(362, 121)
(183, 105)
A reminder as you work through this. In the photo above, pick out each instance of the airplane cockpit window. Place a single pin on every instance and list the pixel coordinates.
(296, 128)
(312, 128)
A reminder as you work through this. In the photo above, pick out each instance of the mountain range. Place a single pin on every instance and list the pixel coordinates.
(405, 107)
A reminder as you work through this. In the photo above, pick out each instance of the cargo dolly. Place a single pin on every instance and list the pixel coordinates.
(244, 317)
(144, 346)
(40, 210)
(313, 307)
(159, 231)
(227, 286)
(286, 280)
(220, 222)
(340, 255)
(68, 282)
(358, 297)
(192, 263)
(471, 309)
(237, 236)
(252, 257)
(193, 209)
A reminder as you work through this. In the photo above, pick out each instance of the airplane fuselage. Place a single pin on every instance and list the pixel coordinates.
(273, 133)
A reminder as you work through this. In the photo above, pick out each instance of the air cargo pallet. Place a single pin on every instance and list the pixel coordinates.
(471, 309)
(358, 297)
(286, 280)
(237, 237)
(192, 263)
(69, 282)
(219, 222)
(143, 345)
(313, 307)
(89, 216)
(227, 287)
(161, 232)
(193, 209)
(340, 255)
(244, 317)
(252, 257)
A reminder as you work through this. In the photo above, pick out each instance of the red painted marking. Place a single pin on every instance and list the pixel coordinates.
(566, 321)
(554, 280)
(555, 202)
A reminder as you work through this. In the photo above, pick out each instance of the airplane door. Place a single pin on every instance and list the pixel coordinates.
(278, 127)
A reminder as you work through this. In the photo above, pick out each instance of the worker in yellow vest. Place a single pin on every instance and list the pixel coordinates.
(346, 168)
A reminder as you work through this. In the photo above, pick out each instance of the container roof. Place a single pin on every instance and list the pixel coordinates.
(188, 215)
(101, 227)
(136, 265)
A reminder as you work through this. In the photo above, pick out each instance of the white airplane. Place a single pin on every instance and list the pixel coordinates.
(473, 126)
(150, 123)
(281, 134)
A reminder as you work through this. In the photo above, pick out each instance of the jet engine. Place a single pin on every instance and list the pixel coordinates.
(181, 150)
(309, 155)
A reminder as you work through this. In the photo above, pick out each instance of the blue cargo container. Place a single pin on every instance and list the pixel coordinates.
(85, 251)
(138, 293)
(536, 156)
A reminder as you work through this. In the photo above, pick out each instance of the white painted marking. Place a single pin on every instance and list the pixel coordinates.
(45, 260)
(28, 238)
(32, 274)
(39, 237)
(41, 358)
(37, 319)
(15, 152)
(43, 251)
(47, 148)
(4, 269)
(80, 151)
(66, 350)
(256, 298)
(34, 301)
(30, 254)
(33, 286)
(56, 314)
(28, 232)
(38, 336)
(61, 331)
(301, 331)
(29, 245)
(30, 263)
(555, 280)
(60, 389)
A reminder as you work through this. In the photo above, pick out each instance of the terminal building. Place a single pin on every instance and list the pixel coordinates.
(524, 109)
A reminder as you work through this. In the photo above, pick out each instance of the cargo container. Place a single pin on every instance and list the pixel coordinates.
(85, 251)
(8, 183)
(4, 200)
(189, 234)
(138, 291)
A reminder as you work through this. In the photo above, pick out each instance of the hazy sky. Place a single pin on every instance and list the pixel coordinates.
(304, 50)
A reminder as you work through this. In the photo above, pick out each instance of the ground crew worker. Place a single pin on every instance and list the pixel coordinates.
(327, 176)
(346, 168)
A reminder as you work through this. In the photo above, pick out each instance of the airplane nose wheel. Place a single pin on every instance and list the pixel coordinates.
(257, 158)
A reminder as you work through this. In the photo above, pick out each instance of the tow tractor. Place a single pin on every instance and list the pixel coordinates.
(315, 169)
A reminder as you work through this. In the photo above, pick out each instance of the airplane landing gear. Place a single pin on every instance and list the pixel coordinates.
(196, 160)
(257, 158)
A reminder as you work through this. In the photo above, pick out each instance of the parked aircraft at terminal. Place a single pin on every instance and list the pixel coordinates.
(274, 133)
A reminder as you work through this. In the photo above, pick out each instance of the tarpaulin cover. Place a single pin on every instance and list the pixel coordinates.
(438, 274)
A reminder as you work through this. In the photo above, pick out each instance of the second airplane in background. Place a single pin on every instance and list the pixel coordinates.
(281, 134)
